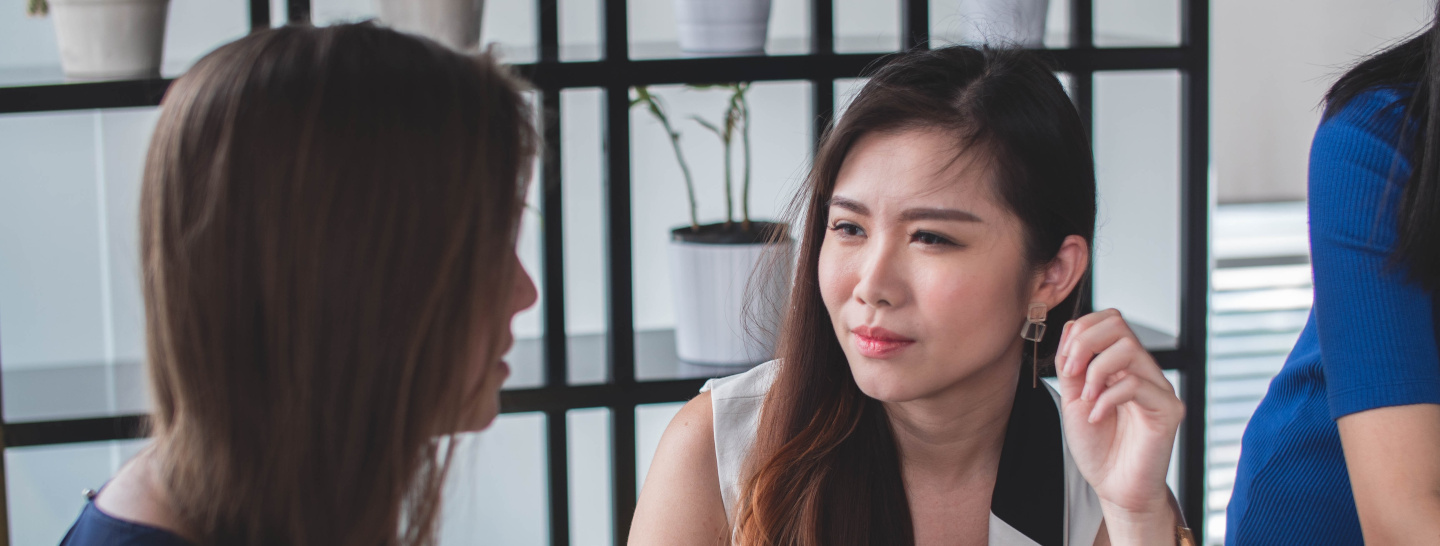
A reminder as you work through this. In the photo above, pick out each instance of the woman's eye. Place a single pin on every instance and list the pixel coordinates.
(927, 238)
(847, 229)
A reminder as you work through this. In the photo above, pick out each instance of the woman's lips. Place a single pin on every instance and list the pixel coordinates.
(875, 342)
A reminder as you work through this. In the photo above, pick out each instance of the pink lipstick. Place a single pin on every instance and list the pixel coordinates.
(876, 342)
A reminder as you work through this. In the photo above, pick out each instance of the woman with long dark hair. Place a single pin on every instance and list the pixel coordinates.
(328, 226)
(947, 220)
(1345, 447)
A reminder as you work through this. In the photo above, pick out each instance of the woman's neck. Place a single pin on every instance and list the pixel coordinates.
(956, 434)
(137, 494)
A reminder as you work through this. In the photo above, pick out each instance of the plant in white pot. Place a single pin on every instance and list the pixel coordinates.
(107, 39)
(730, 279)
(722, 26)
(455, 23)
(1004, 22)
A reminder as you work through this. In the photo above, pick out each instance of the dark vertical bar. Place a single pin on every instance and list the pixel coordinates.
(822, 103)
(822, 27)
(259, 15)
(616, 29)
(622, 444)
(4, 487)
(553, 211)
(557, 442)
(822, 43)
(621, 335)
(1082, 25)
(297, 12)
(1195, 252)
(549, 16)
(914, 24)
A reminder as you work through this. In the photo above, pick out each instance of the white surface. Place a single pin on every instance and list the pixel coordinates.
(455, 23)
(722, 26)
(591, 513)
(110, 39)
(195, 27)
(713, 324)
(1001, 22)
(650, 423)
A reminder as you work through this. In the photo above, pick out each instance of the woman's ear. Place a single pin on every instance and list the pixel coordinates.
(1054, 282)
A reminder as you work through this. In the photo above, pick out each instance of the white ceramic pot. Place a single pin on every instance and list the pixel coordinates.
(711, 284)
(1004, 22)
(101, 39)
(455, 23)
(722, 26)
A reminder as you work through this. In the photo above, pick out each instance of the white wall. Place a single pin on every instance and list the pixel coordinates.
(1271, 61)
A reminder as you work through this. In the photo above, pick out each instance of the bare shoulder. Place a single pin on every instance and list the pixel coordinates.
(680, 503)
(135, 495)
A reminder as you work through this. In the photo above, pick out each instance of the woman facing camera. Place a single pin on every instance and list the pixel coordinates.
(328, 225)
(947, 220)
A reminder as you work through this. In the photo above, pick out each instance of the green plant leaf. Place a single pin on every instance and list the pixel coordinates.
(37, 8)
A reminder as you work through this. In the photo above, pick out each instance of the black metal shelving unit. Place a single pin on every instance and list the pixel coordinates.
(616, 74)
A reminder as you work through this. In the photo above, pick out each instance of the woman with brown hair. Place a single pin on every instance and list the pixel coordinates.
(328, 223)
(951, 207)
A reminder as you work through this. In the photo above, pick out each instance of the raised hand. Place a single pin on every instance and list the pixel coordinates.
(1120, 417)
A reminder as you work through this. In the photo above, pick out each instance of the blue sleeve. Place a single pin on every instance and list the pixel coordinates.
(1376, 328)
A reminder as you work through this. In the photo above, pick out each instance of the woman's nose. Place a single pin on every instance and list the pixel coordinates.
(524, 294)
(881, 281)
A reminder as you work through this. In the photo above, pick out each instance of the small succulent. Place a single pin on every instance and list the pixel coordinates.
(37, 8)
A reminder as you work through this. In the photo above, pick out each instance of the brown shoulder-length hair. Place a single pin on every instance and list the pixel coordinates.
(825, 469)
(327, 216)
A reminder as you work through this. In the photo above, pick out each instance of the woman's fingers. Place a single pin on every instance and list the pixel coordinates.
(1147, 395)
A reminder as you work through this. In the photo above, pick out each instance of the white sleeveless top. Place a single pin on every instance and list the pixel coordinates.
(1024, 510)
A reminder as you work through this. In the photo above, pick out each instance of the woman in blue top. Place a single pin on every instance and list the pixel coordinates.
(328, 226)
(1345, 447)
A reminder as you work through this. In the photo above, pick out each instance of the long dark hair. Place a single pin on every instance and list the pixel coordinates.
(824, 469)
(326, 216)
(1414, 62)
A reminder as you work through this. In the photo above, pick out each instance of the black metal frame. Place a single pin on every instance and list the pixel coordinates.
(616, 73)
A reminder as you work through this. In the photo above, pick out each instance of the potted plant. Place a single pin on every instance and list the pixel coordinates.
(1004, 22)
(103, 39)
(716, 268)
(722, 26)
(455, 23)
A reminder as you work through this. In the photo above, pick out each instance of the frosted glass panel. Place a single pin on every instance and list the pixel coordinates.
(1137, 23)
(1137, 159)
(71, 314)
(781, 143)
(654, 33)
(864, 26)
(580, 31)
(582, 181)
(650, 423)
(495, 493)
(949, 23)
(44, 485)
(591, 513)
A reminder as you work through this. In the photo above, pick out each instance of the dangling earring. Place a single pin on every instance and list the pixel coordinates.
(1034, 331)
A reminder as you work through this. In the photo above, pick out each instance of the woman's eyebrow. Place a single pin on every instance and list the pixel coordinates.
(847, 204)
(954, 215)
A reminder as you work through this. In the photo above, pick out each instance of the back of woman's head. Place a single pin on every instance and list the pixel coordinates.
(328, 226)
(825, 468)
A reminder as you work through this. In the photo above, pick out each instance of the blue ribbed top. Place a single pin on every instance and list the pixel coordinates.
(1370, 341)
